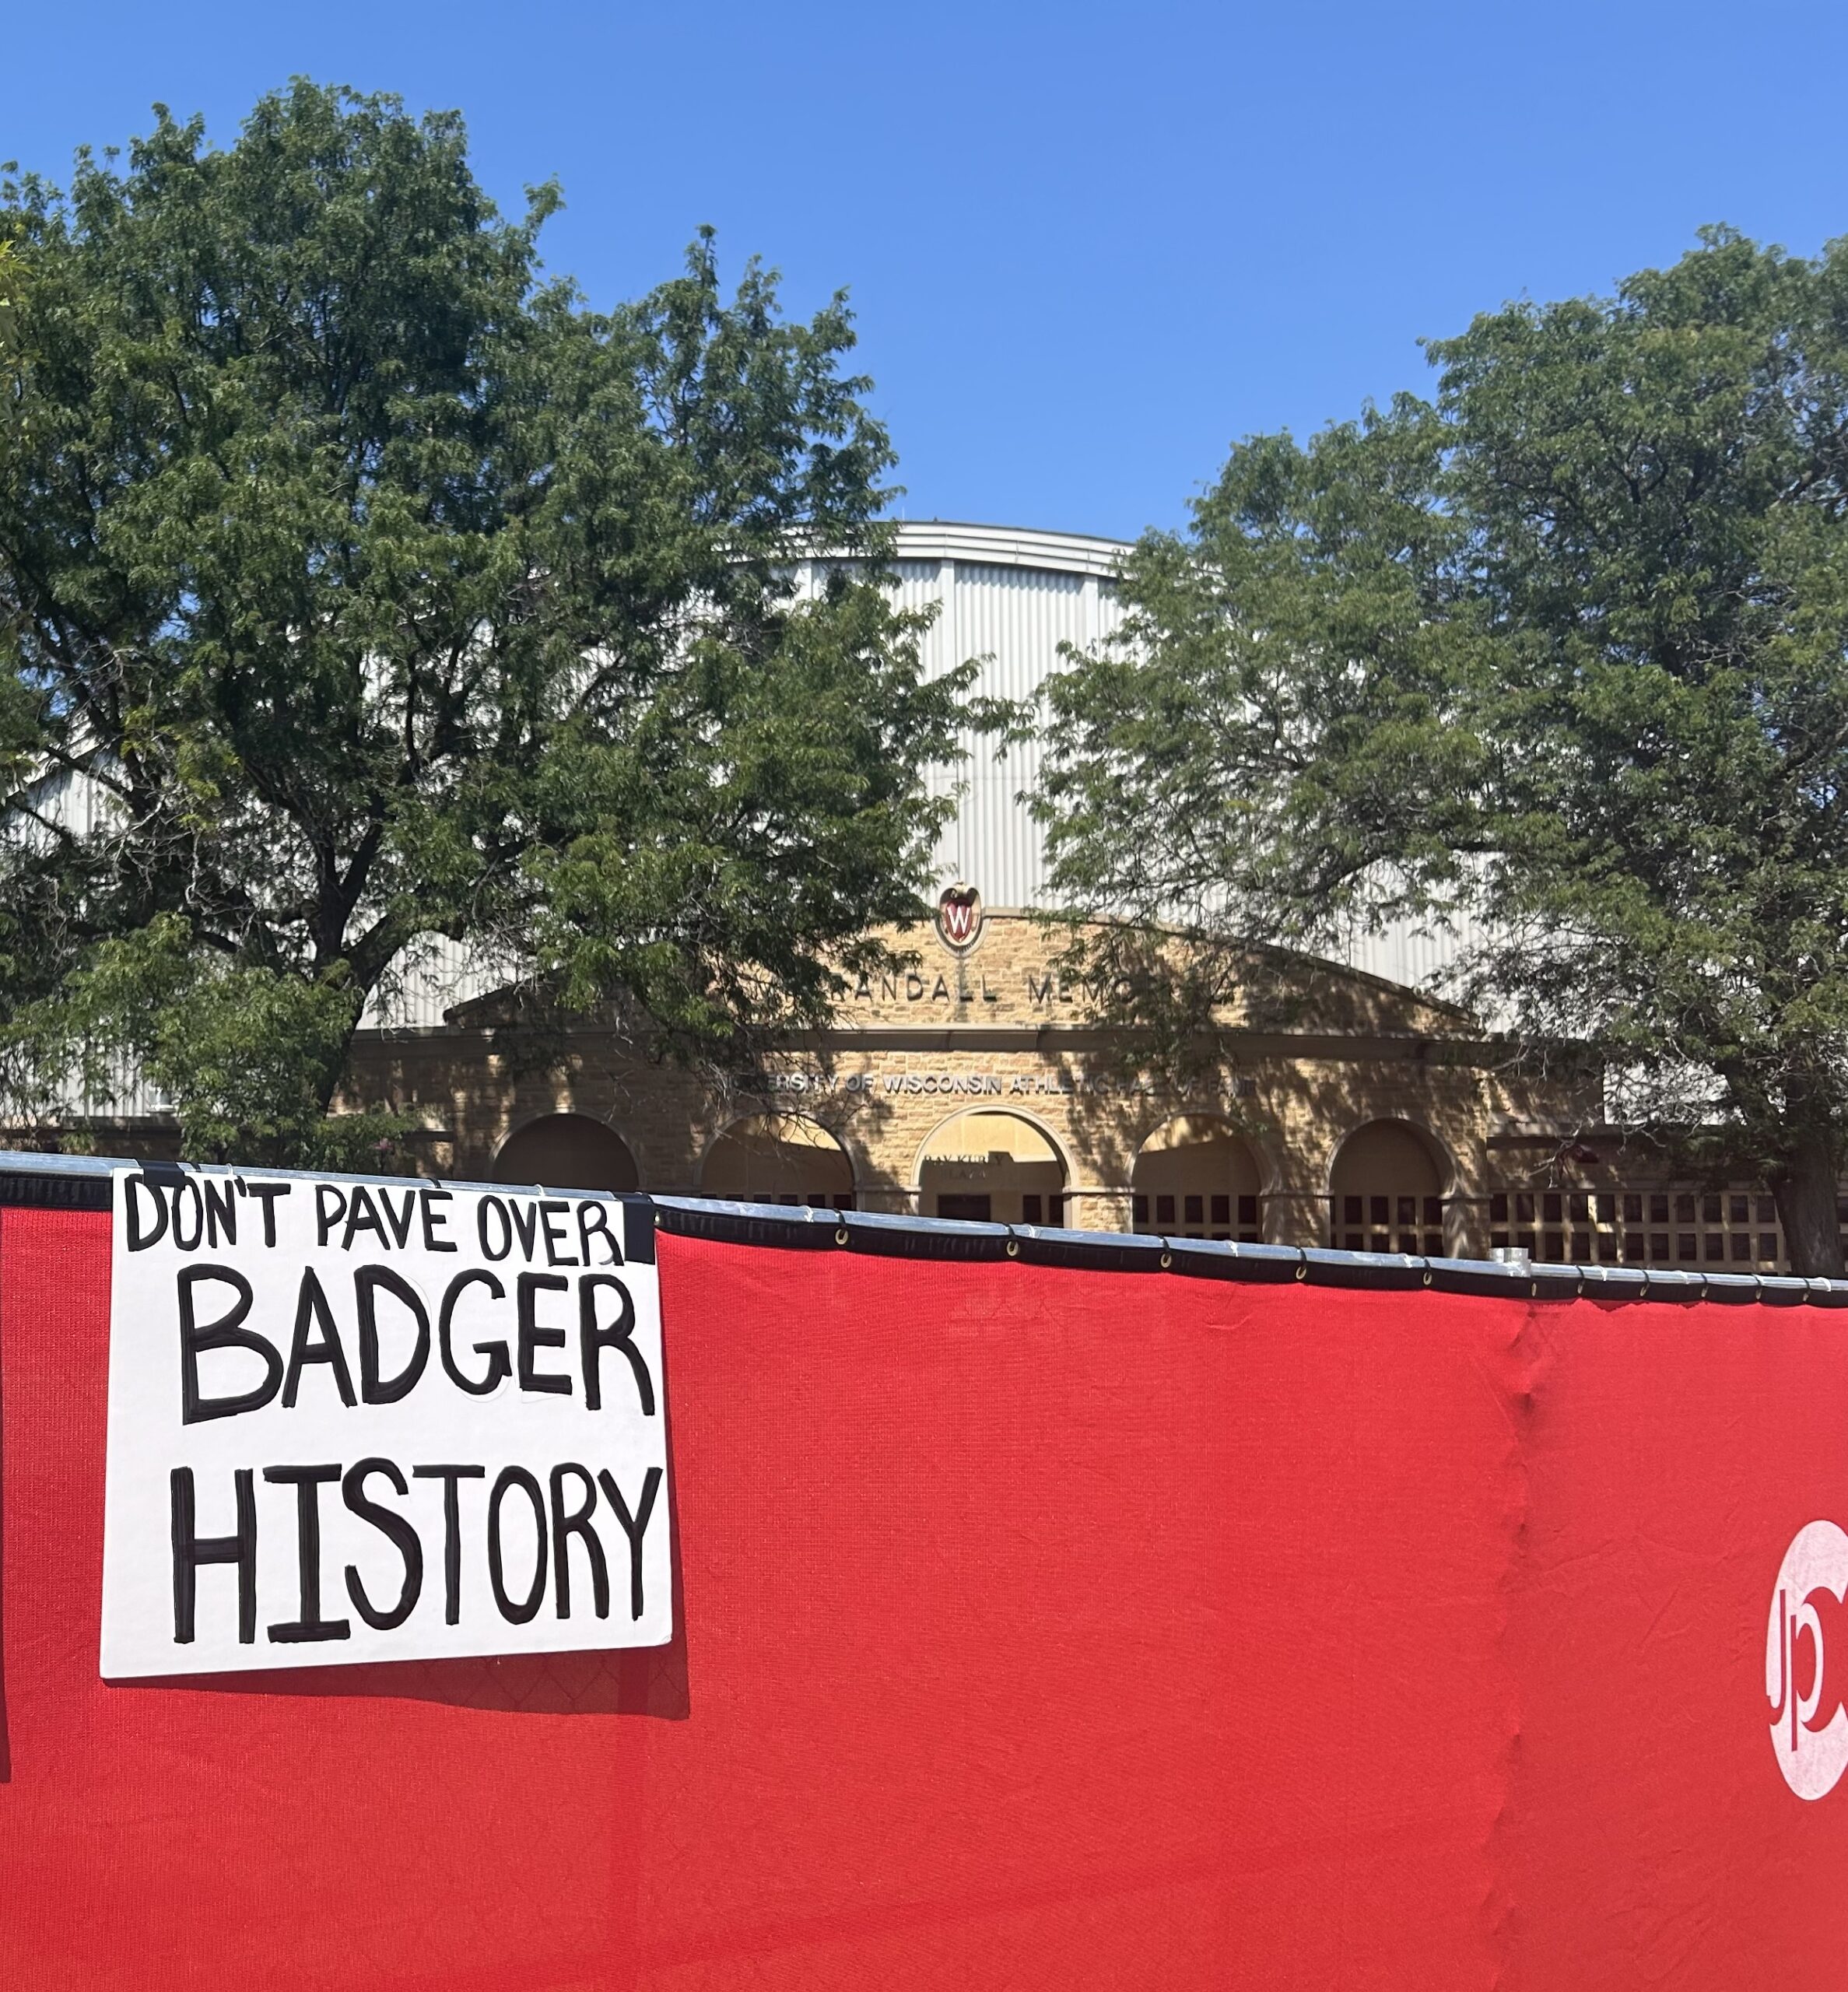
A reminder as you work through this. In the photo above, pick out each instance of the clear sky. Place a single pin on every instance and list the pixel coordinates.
(1088, 246)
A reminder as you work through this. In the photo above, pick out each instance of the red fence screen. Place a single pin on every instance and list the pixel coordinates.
(1037, 1627)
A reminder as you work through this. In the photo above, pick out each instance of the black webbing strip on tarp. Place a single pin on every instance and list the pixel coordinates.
(50, 1183)
(58, 1182)
(941, 1238)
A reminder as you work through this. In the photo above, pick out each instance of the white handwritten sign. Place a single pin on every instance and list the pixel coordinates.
(371, 1421)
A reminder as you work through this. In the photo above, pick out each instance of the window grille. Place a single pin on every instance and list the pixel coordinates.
(1206, 1214)
(1389, 1222)
(1732, 1229)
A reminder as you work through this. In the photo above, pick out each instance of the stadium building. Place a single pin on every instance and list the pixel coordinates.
(980, 1084)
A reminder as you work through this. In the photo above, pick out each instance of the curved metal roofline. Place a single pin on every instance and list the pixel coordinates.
(1008, 546)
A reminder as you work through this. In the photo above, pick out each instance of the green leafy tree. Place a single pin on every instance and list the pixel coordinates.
(1565, 649)
(370, 587)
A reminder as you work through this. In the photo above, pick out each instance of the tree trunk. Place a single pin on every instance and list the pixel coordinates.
(1806, 1191)
(333, 1074)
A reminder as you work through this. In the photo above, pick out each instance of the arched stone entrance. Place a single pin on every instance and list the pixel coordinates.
(566, 1151)
(779, 1159)
(1385, 1190)
(987, 1163)
(1196, 1178)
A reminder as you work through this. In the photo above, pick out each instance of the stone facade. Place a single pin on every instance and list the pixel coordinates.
(991, 1028)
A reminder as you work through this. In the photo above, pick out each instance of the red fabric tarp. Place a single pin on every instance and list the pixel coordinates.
(1038, 1628)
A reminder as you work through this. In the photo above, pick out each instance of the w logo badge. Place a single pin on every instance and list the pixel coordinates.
(959, 917)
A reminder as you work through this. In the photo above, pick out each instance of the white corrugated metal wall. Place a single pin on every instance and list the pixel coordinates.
(1011, 600)
(1007, 598)
(1406, 954)
(86, 807)
(1012, 619)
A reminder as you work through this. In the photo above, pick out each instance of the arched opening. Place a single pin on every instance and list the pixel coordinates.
(779, 1159)
(991, 1165)
(1385, 1191)
(1194, 1177)
(566, 1151)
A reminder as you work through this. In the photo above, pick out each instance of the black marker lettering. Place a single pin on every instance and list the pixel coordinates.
(310, 1627)
(527, 1608)
(634, 1528)
(593, 1339)
(312, 1311)
(434, 1220)
(452, 1532)
(221, 1210)
(400, 1221)
(367, 1283)
(190, 1550)
(526, 1222)
(551, 1219)
(134, 1187)
(226, 1332)
(493, 1205)
(362, 1215)
(577, 1521)
(402, 1535)
(188, 1189)
(268, 1193)
(533, 1337)
(330, 1207)
(499, 1365)
(594, 1218)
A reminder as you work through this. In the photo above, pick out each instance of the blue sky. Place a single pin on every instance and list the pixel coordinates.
(1088, 245)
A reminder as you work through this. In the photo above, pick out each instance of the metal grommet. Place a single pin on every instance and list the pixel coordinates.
(1427, 1276)
(1167, 1260)
(840, 1234)
(1302, 1269)
(1013, 1248)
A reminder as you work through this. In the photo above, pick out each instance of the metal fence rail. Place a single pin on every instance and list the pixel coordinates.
(61, 1182)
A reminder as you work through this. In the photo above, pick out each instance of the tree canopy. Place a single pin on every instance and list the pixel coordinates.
(1562, 648)
(360, 584)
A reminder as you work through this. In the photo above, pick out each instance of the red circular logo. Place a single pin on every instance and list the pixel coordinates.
(1804, 1684)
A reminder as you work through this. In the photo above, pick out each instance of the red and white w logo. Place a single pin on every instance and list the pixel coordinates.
(959, 916)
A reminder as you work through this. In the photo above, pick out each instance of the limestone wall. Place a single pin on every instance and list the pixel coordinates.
(996, 1026)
